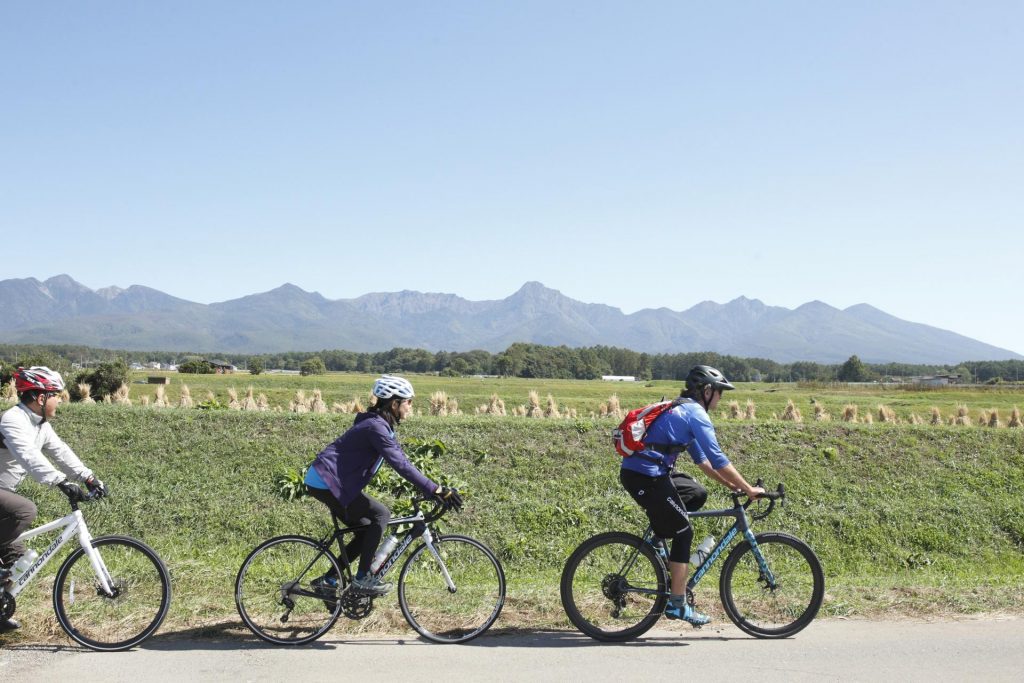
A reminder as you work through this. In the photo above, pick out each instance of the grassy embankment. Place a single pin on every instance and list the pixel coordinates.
(907, 520)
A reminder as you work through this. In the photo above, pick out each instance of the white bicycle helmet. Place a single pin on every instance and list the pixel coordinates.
(389, 386)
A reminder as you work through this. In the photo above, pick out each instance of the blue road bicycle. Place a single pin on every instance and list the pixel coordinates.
(615, 585)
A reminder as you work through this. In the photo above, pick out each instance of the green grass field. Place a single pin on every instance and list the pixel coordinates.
(907, 519)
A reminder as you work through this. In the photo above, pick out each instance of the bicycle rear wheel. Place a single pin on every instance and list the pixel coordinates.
(118, 621)
(614, 587)
(274, 592)
(779, 599)
(458, 612)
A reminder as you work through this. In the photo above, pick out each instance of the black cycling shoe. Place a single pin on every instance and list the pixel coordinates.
(9, 625)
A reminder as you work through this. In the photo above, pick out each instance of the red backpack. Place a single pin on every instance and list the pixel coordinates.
(628, 437)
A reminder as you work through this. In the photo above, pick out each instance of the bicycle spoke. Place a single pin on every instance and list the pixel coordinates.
(275, 592)
(126, 616)
(777, 603)
(610, 591)
(440, 613)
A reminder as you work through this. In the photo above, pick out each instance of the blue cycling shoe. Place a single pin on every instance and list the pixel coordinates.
(328, 586)
(686, 613)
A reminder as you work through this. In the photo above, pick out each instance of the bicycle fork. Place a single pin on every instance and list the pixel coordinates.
(428, 540)
(106, 583)
(765, 573)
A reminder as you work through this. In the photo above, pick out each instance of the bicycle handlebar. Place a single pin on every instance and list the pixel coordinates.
(778, 494)
(437, 512)
(87, 497)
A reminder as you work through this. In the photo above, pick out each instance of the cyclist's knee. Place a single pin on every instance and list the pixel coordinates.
(25, 511)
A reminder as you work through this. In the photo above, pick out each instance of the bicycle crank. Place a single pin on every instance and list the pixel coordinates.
(7, 605)
(356, 605)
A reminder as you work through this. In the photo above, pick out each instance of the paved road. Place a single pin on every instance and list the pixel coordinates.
(988, 650)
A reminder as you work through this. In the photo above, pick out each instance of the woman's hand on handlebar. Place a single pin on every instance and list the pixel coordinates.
(449, 497)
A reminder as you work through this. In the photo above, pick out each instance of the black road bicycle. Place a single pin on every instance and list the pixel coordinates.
(451, 588)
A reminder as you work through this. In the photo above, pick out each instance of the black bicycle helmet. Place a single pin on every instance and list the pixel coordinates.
(704, 375)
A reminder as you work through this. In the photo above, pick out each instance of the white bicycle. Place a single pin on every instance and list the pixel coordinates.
(110, 594)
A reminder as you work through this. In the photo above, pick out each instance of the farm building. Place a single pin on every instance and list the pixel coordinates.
(937, 380)
(221, 367)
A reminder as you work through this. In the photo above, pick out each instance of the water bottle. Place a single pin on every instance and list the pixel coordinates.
(25, 561)
(382, 553)
(702, 551)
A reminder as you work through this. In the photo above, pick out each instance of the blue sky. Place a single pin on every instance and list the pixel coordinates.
(639, 154)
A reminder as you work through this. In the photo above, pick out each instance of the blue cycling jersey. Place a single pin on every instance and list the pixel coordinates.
(687, 425)
(314, 481)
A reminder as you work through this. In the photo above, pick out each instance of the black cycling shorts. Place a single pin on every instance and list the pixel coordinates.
(666, 500)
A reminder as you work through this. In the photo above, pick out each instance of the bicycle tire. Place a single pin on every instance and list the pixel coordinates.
(274, 595)
(772, 612)
(111, 623)
(440, 614)
(595, 593)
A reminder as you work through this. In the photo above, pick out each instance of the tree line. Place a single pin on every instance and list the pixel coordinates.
(523, 360)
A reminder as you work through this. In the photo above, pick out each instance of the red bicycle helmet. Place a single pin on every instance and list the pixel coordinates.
(38, 378)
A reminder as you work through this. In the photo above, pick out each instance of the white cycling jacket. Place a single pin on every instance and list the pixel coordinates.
(28, 443)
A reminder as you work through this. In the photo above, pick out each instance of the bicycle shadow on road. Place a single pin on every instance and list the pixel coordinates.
(530, 638)
(232, 636)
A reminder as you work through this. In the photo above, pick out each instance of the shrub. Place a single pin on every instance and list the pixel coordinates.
(256, 366)
(313, 366)
(104, 381)
(196, 367)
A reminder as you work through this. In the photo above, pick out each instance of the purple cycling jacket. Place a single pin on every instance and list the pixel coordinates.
(348, 463)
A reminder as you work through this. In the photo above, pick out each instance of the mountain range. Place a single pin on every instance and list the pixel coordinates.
(62, 311)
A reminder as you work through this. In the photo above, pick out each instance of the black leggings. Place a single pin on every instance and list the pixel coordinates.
(666, 500)
(362, 510)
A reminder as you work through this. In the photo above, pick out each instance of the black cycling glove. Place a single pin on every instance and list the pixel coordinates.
(72, 491)
(96, 487)
(450, 497)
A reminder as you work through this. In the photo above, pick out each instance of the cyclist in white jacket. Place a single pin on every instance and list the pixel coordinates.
(27, 445)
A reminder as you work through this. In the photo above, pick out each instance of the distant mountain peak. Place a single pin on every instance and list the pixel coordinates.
(111, 292)
(289, 318)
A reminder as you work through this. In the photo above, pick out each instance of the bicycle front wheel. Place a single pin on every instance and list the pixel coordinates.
(778, 599)
(455, 595)
(275, 592)
(136, 606)
(614, 587)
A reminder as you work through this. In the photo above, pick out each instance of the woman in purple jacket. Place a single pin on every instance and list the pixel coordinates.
(343, 469)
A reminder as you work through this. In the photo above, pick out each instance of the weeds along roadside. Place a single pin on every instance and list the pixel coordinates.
(906, 519)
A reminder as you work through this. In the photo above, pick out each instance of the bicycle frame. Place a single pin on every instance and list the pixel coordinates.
(72, 524)
(420, 529)
(741, 525)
